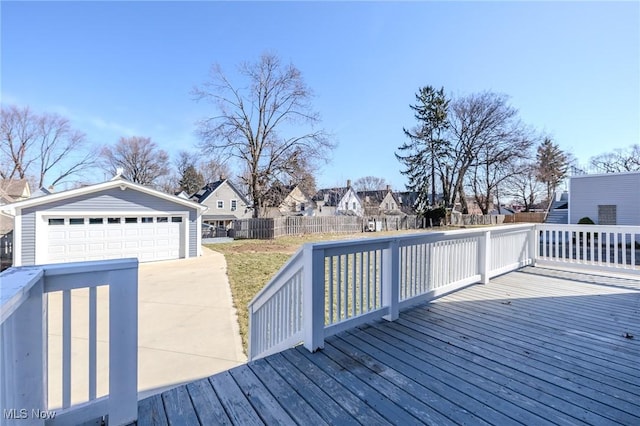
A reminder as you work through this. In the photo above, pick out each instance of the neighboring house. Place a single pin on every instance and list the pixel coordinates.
(287, 200)
(14, 190)
(379, 203)
(225, 203)
(113, 219)
(607, 199)
(338, 201)
(11, 190)
(503, 210)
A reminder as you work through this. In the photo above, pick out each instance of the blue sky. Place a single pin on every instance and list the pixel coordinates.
(127, 68)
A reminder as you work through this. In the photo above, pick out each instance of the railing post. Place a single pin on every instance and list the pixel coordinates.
(313, 298)
(23, 342)
(391, 280)
(485, 257)
(534, 236)
(123, 346)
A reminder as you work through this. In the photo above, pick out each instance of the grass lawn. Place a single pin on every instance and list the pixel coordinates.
(252, 263)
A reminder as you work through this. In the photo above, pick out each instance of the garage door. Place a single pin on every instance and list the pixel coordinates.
(148, 238)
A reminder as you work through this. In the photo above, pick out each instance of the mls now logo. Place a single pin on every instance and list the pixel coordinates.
(23, 413)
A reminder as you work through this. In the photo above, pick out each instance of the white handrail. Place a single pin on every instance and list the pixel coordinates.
(331, 286)
(602, 247)
(25, 349)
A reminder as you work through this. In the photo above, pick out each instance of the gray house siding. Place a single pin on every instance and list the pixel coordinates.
(28, 239)
(622, 190)
(109, 200)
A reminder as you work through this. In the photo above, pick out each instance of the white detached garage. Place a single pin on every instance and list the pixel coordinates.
(110, 220)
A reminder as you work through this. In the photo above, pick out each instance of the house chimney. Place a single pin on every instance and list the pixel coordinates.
(388, 188)
(348, 183)
(221, 177)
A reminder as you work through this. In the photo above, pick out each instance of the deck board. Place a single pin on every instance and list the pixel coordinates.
(535, 346)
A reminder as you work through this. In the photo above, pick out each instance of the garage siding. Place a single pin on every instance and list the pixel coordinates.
(621, 190)
(110, 200)
(28, 238)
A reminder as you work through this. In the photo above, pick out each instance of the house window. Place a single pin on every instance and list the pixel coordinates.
(234, 205)
(302, 207)
(76, 221)
(220, 204)
(393, 206)
(56, 221)
(386, 206)
(354, 205)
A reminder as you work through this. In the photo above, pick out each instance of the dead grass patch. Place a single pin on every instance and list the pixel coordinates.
(252, 263)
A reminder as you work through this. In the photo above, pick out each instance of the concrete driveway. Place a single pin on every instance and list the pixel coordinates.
(187, 328)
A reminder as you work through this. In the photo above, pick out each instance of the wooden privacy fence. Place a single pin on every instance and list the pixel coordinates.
(267, 228)
(526, 217)
(477, 219)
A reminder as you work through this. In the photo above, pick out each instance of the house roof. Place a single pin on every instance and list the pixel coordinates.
(332, 196)
(114, 183)
(15, 188)
(278, 192)
(206, 191)
(376, 197)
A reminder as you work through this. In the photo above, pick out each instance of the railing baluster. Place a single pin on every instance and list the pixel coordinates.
(354, 298)
(66, 348)
(92, 342)
(361, 282)
(339, 286)
(331, 283)
(633, 249)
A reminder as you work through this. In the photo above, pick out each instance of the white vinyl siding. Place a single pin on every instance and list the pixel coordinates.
(588, 192)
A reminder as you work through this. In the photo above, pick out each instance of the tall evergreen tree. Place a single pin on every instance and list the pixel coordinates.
(191, 180)
(426, 146)
(552, 165)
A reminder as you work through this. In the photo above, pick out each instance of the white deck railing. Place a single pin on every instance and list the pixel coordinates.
(328, 287)
(589, 246)
(24, 354)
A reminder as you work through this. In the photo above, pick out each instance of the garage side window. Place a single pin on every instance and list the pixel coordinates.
(56, 221)
(176, 219)
(147, 220)
(130, 220)
(113, 220)
(162, 219)
(76, 221)
(96, 221)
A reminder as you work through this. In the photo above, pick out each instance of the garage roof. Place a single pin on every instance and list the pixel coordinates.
(114, 183)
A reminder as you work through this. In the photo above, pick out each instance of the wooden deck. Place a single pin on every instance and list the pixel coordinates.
(537, 346)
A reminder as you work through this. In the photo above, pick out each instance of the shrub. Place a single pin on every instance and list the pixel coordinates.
(586, 221)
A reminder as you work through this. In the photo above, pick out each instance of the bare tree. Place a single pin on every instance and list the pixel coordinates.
(139, 158)
(620, 160)
(43, 148)
(369, 183)
(213, 169)
(265, 122)
(524, 187)
(497, 141)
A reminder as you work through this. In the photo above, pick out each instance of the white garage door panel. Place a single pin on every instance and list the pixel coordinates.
(146, 241)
